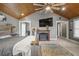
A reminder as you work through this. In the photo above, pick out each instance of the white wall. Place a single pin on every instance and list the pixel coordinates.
(34, 18)
(12, 21)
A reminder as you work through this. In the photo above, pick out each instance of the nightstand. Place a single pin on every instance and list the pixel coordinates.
(35, 48)
(35, 42)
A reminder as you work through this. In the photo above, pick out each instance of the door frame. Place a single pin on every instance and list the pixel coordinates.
(58, 30)
(67, 27)
(20, 26)
(57, 27)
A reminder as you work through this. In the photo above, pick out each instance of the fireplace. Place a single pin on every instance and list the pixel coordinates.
(43, 37)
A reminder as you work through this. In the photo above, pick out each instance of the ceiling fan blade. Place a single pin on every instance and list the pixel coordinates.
(38, 4)
(38, 8)
(55, 8)
(58, 4)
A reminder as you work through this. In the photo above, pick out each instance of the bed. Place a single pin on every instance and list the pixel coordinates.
(4, 34)
(5, 31)
(23, 47)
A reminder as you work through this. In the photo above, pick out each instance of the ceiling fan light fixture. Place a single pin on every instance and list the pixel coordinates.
(22, 14)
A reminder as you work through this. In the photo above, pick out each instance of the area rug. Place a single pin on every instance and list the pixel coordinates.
(54, 50)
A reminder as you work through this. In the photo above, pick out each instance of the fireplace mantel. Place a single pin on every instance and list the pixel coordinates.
(43, 31)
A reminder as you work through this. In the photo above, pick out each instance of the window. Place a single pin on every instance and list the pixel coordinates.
(76, 28)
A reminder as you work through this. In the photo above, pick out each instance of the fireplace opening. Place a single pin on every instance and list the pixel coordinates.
(43, 37)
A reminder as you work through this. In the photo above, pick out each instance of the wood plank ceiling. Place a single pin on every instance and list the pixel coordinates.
(71, 10)
(16, 9)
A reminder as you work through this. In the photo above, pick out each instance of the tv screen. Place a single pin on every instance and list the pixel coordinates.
(45, 22)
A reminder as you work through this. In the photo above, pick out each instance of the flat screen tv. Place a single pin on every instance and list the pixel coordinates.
(46, 22)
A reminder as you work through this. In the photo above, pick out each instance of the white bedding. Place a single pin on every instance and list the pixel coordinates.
(23, 46)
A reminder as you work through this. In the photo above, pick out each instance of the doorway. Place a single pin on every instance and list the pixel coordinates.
(62, 29)
(25, 28)
(59, 30)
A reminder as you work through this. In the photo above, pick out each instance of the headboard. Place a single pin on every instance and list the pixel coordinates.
(6, 29)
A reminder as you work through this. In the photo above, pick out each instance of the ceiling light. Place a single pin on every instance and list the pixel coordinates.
(22, 14)
(63, 8)
(48, 8)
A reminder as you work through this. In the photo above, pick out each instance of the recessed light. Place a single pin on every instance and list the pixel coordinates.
(63, 8)
(22, 14)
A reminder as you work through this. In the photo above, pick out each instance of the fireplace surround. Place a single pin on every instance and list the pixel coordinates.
(44, 35)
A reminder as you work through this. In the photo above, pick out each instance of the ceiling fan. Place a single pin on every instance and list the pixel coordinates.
(49, 6)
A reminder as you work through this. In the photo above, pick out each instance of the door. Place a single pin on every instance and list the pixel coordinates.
(59, 33)
(25, 29)
(64, 29)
